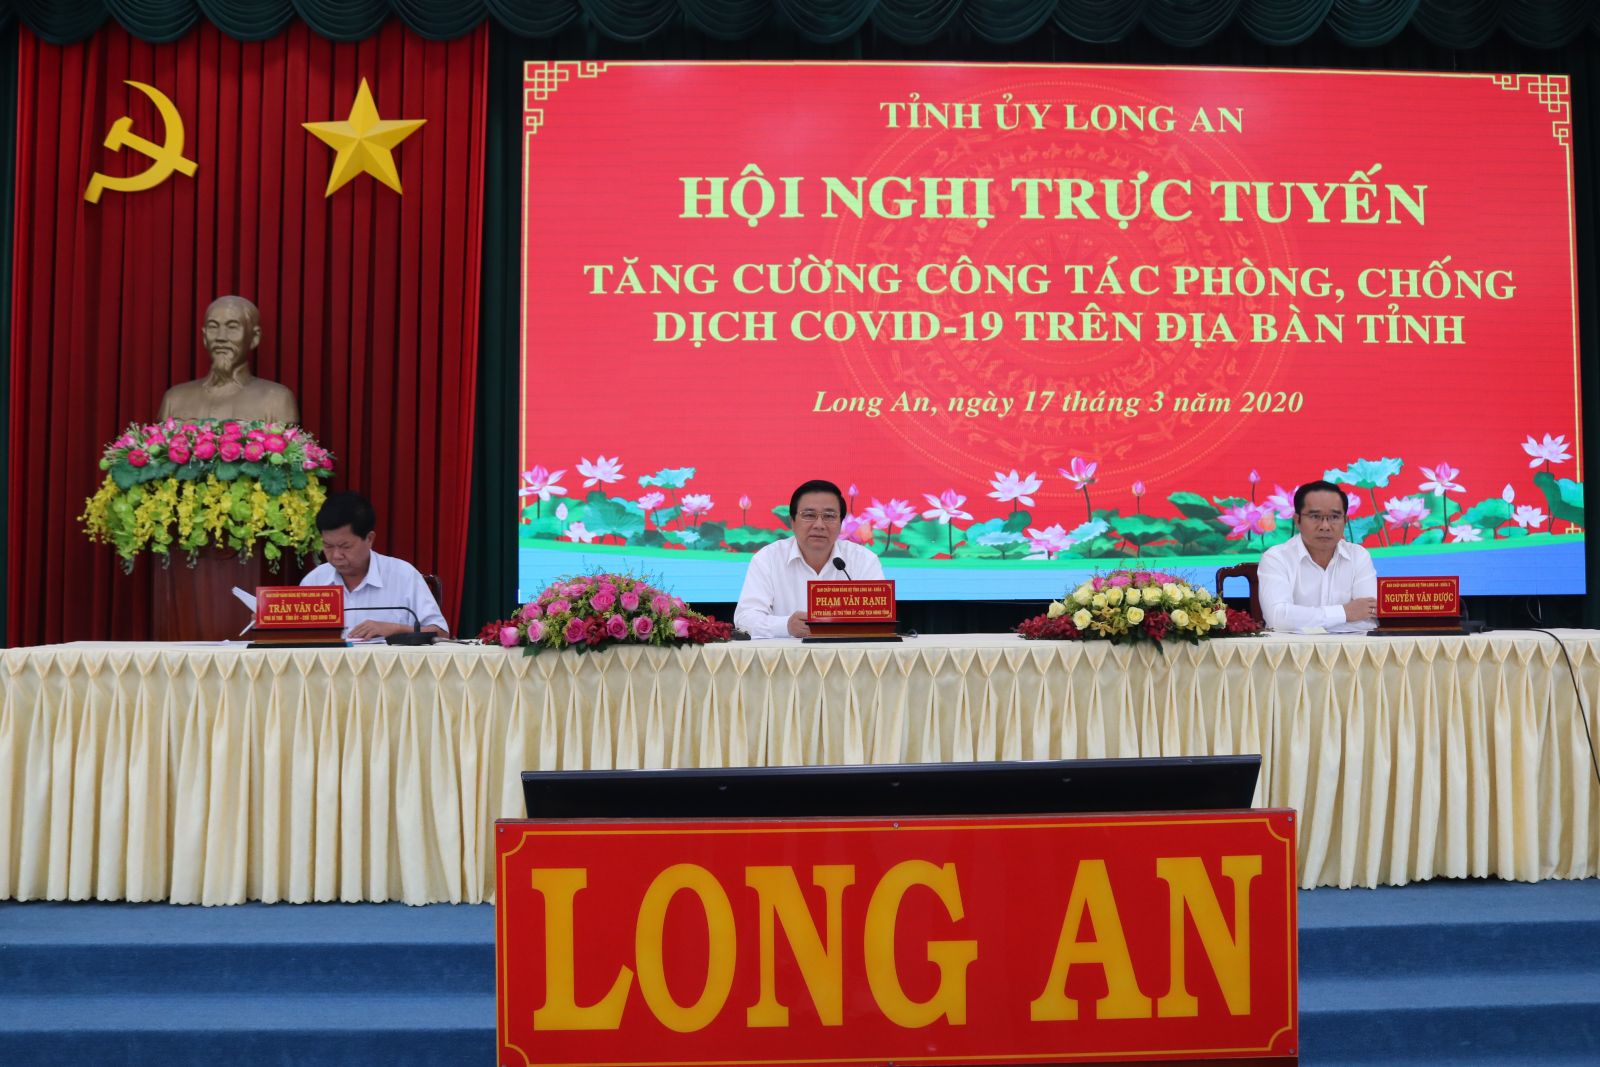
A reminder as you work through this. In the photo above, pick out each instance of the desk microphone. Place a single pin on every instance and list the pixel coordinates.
(838, 565)
(417, 636)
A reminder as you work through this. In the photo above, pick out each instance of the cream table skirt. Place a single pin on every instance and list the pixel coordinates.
(219, 774)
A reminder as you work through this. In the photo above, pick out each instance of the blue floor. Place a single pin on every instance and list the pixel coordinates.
(1434, 973)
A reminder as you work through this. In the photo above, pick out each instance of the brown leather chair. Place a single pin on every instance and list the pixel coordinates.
(1247, 571)
(436, 587)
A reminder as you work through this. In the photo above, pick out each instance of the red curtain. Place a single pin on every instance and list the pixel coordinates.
(369, 298)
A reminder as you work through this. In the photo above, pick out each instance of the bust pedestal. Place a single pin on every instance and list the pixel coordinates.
(197, 603)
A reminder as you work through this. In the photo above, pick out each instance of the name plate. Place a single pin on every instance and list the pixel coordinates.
(867, 601)
(299, 607)
(1430, 598)
(1000, 939)
(1419, 606)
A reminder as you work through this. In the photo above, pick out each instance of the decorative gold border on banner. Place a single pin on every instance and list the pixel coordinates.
(1554, 91)
(540, 80)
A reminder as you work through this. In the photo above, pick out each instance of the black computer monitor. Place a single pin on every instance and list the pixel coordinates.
(1172, 783)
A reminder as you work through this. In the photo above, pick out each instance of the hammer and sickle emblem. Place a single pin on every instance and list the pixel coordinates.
(167, 157)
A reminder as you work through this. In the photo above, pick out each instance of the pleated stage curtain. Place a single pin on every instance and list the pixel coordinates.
(369, 298)
(1185, 23)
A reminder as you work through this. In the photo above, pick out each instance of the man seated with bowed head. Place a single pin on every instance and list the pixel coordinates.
(369, 580)
(773, 600)
(1317, 578)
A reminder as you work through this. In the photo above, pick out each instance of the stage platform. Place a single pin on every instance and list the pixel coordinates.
(1480, 972)
(218, 774)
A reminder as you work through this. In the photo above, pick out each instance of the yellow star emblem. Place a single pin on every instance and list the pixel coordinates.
(363, 142)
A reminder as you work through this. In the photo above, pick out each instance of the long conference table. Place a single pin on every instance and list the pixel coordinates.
(217, 774)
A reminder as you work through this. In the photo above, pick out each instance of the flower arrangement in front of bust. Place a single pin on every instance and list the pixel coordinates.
(188, 484)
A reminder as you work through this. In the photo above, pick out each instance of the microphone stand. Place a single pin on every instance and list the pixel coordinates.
(416, 638)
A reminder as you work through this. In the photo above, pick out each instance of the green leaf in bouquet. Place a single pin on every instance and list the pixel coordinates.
(193, 471)
(273, 481)
(126, 477)
(227, 472)
(1142, 529)
(1193, 506)
(668, 477)
(1366, 473)
(1563, 495)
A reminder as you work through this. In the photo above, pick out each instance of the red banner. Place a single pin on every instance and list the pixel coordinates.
(1036, 320)
(1016, 939)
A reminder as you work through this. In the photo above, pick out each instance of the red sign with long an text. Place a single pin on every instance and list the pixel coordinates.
(974, 940)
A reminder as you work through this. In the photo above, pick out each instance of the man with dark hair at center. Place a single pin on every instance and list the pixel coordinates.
(1317, 579)
(773, 600)
(370, 581)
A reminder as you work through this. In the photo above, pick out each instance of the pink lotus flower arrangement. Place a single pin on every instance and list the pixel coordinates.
(591, 612)
(191, 449)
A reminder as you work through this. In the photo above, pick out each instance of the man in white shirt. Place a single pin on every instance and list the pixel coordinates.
(773, 600)
(1317, 579)
(369, 580)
